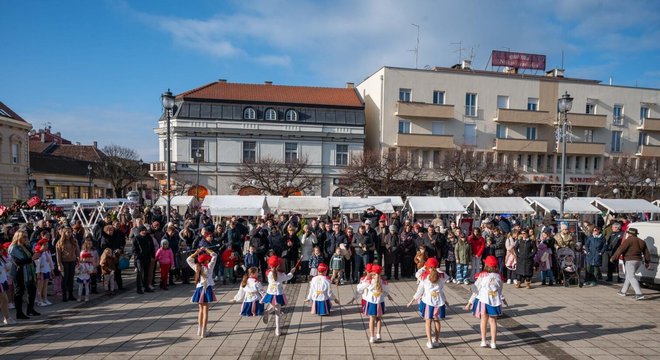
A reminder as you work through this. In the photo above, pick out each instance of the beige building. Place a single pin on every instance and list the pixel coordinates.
(511, 118)
(14, 160)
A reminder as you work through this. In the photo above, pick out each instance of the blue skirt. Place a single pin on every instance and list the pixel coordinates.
(275, 299)
(371, 309)
(207, 297)
(253, 308)
(431, 312)
(479, 308)
(46, 275)
(321, 308)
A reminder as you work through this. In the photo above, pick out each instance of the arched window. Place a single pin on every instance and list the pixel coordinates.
(271, 115)
(249, 114)
(291, 115)
(340, 191)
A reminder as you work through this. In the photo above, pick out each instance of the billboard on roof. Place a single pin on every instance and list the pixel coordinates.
(518, 60)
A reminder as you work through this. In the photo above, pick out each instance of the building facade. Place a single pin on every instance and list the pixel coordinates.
(14, 160)
(512, 118)
(231, 123)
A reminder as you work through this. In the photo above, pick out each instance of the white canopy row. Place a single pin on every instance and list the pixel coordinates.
(626, 206)
(571, 206)
(178, 201)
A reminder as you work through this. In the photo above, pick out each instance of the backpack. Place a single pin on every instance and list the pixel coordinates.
(123, 263)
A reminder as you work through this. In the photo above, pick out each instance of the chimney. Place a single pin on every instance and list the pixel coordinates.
(557, 73)
(42, 135)
(466, 64)
(350, 85)
(95, 144)
(223, 81)
(268, 83)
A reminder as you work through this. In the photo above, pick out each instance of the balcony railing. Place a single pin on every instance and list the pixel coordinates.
(650, 124)
(583, 148)
(587, 120)
(521, 145)
(518, 116)
(425, 141)
(648, 150)
(424, 110)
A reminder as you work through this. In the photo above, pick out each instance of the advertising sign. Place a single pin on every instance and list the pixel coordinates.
(518, 60)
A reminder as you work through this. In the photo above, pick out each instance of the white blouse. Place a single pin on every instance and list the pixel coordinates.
(206, 277)
(276, 287)
(371, 294)
(489, 288)
(431, 294)
(252, 291)
(320, 289)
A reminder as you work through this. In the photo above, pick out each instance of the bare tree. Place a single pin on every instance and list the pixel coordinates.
(121, 166)
(627, 178)
(373, 174)
(277, 177)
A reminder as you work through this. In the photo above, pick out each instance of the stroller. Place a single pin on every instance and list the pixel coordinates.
(569, 270)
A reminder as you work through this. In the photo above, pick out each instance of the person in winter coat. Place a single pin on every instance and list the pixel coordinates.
(407, 249)
(292, 249)
(478, 245)
(510, 259)
(543, 259)
(143, 248)
(525, 250)
(391, 252)
(595, 246)
(612, 244)
(499, 249)
(463, 252)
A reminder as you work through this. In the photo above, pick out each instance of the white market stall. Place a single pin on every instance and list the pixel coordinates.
(501, 205)
(571, 206)
(305, 206)
(432, 205)
(230, 205)
(96, 208)
(397, 201)
(178, 201)
(626, 206)
(354, 205)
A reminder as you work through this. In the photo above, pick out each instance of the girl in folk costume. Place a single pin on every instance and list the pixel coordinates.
(5, 267)
(251, 292)
(431, 297)
(362, 296)
(275, 297)
(44, 268)
(320, 292)
(203, 295)
(84, 272)
(376, 290)
(486, 302)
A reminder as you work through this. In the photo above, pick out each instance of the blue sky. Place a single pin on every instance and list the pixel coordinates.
(95, 70)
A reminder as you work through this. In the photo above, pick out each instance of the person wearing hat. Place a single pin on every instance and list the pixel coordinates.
(431, 298)
(44, 268)
(275, 297)
(320, 293)
(371, 214)
(376, 291)
(391, 253)
(486, 302)
(202, 262)
(84, 272)
(595, 245)
(5, 267)
(165, 259)
(611, 245)
(634, 251)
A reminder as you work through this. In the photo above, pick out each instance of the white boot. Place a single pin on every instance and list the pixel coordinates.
(277, 324)
(199, 330)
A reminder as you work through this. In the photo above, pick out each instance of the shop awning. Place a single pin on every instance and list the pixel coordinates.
(434, 205)
(395, 200)
(229, 205)
(305, 206)
(68, 183)
(358, 204)
(179, 200)
(502, 205)
(626, 206)
(571, 206)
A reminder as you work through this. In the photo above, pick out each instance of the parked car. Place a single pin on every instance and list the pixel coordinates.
(133, 196)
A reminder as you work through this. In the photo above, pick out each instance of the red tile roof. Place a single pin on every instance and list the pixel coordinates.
(303, 95)
(78, 152)
(10, 112)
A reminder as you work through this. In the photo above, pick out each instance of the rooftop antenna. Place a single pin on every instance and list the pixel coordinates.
(416, 49)
(562, 60)
(459, 51)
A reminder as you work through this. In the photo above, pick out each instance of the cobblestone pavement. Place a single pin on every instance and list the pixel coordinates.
(541, 323)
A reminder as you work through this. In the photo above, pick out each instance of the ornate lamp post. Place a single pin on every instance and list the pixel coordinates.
(198, 157)
(168, 104)
(89, 175)
(564, 104)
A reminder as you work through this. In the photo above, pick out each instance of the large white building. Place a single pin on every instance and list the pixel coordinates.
(230, 123)
(512, 118)
(14, 160)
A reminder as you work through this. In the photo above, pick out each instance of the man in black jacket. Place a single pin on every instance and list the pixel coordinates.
(143, 248)
(334, 239)
(612, 244)
(259, 239)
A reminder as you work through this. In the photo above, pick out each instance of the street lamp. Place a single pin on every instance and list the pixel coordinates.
(89, 174)
(564, 105)
(30, 184)
(616, 192)
(198, 156)
(510, 192)
(168, 104)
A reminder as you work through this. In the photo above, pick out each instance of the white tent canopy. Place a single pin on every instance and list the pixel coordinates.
(179, 200)
(358, 204)
(434, 205)
(305, 206)
(626, 206)
(571, 206)
(273, 200)
(229, 205)
(465, 201)
(502, 205)
(395, 200)
(68, 204)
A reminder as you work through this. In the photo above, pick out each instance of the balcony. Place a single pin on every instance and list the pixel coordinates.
(424, 110)
(650, 124)
(583, 148)
(161, 167)
(587, 120)
(425, 141)
(648, 150)
(521, 145)
(517, 116)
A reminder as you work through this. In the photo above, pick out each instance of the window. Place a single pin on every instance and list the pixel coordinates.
(578, 162)
(197, 145)
(539, 162)
(341, 155)
(290, 152)
(439, 97)
(531, 133)
(549, 163)
(4, 113)
(404, 127)
(500, 132)
(426, 158)
(643, 139)
(165, 153)
(470, 104)
(590, 108)
(291, 115)
(616, 141)
(404, 95)
(249, 151)
(14, 153)
(438, 128)
(529, 161)
(617, 115)
(249, 114)
(588, 135)
(587, 163)
(271, 115)
(502, 102)
(532, 104)
(470, 134)
(596, 163)
(643, 114)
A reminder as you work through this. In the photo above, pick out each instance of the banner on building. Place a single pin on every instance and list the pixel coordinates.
(518, 60)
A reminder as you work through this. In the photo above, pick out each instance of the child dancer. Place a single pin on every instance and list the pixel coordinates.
(376, 290)
(251, 292)
(108, 267)
(320, 292)
(83, 274)
(275, 297)
(5, 266)
(203, 295)
(44, 267)
(487, 301)
(165, 258)
(88, 245)
(431, 298)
